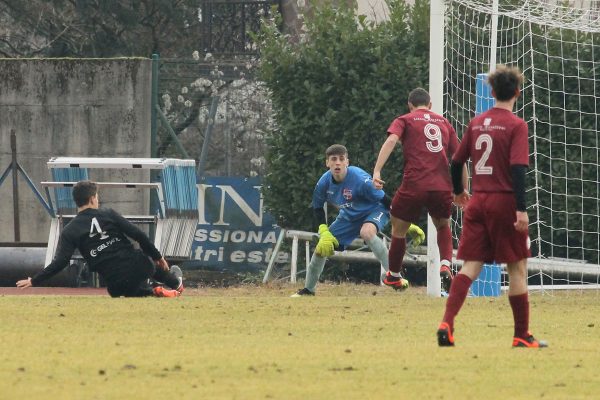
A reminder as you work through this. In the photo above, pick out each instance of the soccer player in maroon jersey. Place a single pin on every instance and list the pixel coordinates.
(428, 141)
(495, 221)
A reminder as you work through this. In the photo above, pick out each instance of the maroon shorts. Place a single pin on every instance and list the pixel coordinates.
(408, 205)
(488, 231)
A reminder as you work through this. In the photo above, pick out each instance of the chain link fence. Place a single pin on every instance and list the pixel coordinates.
(217, 105)
(211, 106)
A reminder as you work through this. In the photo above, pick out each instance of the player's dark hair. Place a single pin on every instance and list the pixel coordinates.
(419, 97)
(83, 191)
(505, 81)
(336, 150)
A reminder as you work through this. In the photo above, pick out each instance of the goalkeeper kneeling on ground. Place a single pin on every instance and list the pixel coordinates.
(364, 211)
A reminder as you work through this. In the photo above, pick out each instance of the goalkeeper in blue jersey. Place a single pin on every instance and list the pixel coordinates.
(363, 211)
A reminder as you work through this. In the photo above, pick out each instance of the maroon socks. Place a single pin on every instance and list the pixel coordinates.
(458, 293)
(396, 254)
(520, 309)
(444, 241)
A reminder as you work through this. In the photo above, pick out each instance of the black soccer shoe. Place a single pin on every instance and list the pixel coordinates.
(445, 335)
(446, 277)
(303, 292)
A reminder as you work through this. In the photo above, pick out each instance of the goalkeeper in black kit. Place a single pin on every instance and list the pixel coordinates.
(101, 236)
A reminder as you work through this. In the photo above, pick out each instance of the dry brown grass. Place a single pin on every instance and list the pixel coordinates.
(254, 342)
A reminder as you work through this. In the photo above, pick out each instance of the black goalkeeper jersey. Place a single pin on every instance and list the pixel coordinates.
(100, 235)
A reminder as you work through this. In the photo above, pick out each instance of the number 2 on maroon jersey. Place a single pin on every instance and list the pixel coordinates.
(480, 167)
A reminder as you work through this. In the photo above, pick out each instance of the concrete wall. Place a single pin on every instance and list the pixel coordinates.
(72, 107)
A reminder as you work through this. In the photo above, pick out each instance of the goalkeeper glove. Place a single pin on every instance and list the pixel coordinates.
(417, 235)
(327, 242)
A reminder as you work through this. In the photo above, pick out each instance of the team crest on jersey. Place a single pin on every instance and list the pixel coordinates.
(427, 116)
(487, 122)
(347, 193)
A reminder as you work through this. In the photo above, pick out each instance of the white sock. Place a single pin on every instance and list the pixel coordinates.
(381, 252)
(315, 268)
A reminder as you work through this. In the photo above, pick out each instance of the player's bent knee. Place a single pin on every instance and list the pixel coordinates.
(368, 232)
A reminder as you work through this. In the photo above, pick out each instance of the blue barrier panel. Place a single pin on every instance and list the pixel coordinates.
(63, 199)
(488, 282)
(234, 232)
(483, 94)
(179, 187)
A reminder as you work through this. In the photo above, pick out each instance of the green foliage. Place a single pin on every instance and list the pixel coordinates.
(343, 81)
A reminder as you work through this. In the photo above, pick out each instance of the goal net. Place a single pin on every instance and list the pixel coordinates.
(557, 46)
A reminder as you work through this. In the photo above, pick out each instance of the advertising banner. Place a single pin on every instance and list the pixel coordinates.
(233, 232)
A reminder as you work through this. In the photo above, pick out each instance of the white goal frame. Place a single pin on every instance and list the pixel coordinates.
(538, 264)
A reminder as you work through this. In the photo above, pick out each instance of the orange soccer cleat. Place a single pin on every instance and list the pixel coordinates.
(398, 283)
(445, 335)
(529, 341)
(160, 291)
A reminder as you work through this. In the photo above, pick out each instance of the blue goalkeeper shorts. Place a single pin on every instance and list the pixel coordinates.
(346, 231)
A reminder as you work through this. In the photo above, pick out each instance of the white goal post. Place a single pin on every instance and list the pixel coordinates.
(557, 46)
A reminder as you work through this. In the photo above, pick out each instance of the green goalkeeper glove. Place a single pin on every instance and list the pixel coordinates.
(417, 235)
(327, 242)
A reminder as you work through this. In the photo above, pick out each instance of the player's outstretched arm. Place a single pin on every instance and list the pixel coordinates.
(162, 264)
(136, 234)
(24, 283)
(384, 153)
(64, 251)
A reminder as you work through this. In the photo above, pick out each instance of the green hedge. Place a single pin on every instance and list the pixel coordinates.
(344, 82)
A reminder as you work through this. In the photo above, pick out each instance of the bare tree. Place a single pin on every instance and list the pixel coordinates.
(97, 28)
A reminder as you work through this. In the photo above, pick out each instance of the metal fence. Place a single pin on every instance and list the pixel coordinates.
(226, 25)
(209, 106)
(215, 112)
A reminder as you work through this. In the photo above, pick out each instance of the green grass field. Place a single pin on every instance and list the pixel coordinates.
(350, 342)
